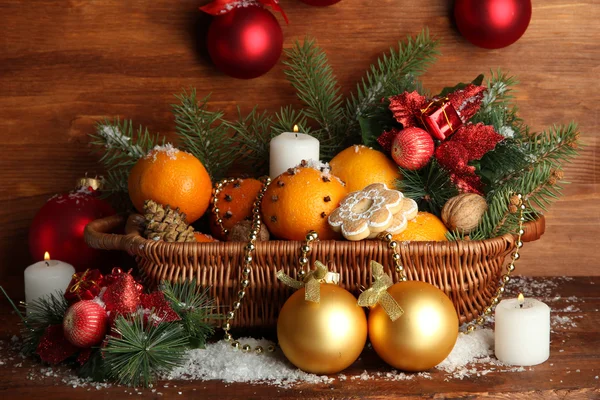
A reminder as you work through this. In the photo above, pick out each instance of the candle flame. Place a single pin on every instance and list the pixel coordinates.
(521, 299)
(46, 256)
(295, 128)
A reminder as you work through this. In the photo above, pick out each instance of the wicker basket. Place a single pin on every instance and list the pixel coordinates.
(467, 271)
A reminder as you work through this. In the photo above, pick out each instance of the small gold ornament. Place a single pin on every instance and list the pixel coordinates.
(322, 331)
(423, 335)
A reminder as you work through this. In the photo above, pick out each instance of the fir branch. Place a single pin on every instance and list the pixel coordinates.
(393, 73)
(498, 219)
(250, 140)
(556, 145)
(137, 352)
(42, 313)
(311, 75)
(285, 120)
(430, 187)
(203, 133)
(122, 146)
(195, 307)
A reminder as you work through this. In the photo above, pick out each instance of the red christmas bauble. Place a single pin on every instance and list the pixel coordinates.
(492, 24)
(412, 148)
(58, 227)
(321, 3)
(84, 324)
(246, 42)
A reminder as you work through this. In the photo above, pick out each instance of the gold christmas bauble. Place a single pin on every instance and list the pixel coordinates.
(425, 333)
(324, 337)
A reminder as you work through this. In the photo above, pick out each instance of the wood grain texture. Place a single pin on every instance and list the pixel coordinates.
(570, 373)
(66, 63)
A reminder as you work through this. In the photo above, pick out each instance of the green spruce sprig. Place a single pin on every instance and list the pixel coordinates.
(41, 313)
(203, 133)
(137, 352)
(195, 307)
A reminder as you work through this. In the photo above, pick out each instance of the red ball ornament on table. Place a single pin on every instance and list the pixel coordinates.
(58, 227)
(492, 24)
(85, 323)
(321, 3)
(412, 148)
(246, 42)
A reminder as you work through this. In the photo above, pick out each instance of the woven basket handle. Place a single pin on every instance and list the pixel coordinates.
(99, 234)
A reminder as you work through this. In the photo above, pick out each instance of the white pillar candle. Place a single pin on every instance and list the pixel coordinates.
(289, 149)
(522, 333)
(47, 277)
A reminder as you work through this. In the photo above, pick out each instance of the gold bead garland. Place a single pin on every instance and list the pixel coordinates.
(509, 269)
(303, 260)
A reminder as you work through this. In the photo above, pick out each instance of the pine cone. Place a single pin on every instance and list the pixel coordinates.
(164, 223)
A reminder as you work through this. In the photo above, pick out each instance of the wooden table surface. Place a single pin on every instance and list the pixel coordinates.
(571, 372)
(65, 64)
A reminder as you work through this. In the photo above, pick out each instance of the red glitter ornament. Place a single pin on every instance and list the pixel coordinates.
(122, 296)
(492, 24)
(244, 39)
(407, 107)
(467, 101)
(54, 347)
(84, 286)
(441, 119)
(157, 309)
(412, 148)
(85, 323)
(58, 227)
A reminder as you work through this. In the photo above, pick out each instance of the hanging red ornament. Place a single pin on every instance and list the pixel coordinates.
(492, 24)
(123, 295)
(244, 39)
(321, 3)
(58, 227)
(84, 324)
(412, 148)
(157, 309)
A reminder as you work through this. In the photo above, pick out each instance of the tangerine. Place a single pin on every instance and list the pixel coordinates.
(300, 200)
(170, 176)
(235, 202)
(204, 238)
(359, 166)
(424, 227)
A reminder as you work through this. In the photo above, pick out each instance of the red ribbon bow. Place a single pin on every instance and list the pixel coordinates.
(220, 7)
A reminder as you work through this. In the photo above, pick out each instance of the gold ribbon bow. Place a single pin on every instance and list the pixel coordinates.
(311, 283)
(378, 294)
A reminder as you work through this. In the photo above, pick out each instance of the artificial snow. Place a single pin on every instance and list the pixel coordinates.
(168, 149)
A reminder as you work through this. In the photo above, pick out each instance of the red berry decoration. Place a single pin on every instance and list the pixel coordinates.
(412, 148)
(245, 42)
(321, 3)
(492, 24)
(58, 228)
(84, 324)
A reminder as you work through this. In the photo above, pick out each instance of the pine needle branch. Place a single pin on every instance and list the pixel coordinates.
(203, 133)
(137, 352)
(430, 187)
(195, 307)
(309, 72)
(42, 313)
(393, 73)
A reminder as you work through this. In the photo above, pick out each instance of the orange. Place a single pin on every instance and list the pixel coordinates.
(359, 166)
(170, 176)
(235, 202)
(424, 227)
(204, 238)
(301, 200)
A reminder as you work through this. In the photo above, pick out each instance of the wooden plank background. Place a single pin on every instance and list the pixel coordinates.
(66, 63)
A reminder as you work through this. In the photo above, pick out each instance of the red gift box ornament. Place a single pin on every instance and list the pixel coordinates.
(440, 119)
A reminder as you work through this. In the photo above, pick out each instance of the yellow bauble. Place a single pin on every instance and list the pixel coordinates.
(324, 337)
(359, 166)
(423, 336)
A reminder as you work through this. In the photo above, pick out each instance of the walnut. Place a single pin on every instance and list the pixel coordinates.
(464, 212)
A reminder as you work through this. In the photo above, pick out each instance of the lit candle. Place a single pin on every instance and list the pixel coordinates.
(522, 331)
(289, 149)
(47, 277)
